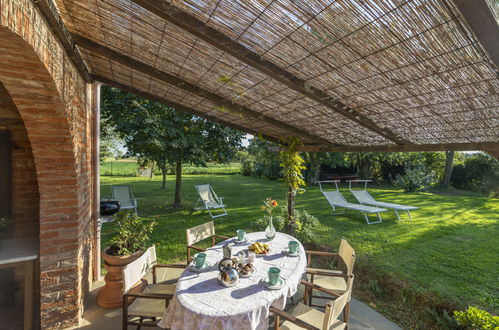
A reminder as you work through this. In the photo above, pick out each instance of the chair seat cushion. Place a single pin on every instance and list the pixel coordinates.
(165, 275)
(329, 282)
(312, 317)
(151, 307)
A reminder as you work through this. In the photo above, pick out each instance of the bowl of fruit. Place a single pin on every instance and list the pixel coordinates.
(260, 249)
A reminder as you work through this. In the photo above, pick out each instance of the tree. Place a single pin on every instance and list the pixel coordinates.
(449, 159)
(158, 133)
(292, 166)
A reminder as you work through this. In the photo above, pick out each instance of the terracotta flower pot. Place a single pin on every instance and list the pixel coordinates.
(111, 294)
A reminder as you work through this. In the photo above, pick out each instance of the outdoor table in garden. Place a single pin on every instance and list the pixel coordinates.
(201, 302)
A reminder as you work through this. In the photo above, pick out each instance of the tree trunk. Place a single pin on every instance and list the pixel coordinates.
(291, 210)
(178, 185)
(163, 172)
(449, 160)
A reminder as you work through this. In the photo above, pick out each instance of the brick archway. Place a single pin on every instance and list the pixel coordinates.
(46, 119)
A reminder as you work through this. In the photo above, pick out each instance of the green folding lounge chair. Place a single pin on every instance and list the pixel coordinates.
(124, 195)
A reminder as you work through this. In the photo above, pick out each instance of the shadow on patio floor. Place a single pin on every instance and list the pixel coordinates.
(362, 317)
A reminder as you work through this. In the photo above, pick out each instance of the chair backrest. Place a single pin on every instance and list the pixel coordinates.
(363, 196)
(335, 307)
(347, 253)
(124, 194)
(138, 268)
(206, 193)
(324, 182)
(335, 197)
(200, 232)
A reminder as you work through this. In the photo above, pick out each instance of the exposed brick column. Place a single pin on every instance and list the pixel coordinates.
(62, 170)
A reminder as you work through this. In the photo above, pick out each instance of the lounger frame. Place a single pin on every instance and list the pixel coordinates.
(363, 209)
(365, 198)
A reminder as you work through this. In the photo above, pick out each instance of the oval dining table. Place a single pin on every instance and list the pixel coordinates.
(201, 302)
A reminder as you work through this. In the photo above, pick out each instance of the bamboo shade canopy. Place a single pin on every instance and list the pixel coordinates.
(364, 73)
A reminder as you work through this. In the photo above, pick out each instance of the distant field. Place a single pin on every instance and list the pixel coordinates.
(128, 167)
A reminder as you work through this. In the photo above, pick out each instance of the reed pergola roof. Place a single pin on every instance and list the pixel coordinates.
(341, 75)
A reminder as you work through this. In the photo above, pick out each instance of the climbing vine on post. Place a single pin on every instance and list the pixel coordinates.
(292, 167)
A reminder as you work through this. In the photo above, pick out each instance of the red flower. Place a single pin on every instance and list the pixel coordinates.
(274, 203)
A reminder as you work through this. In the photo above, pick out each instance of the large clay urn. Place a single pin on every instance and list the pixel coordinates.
(111, 294)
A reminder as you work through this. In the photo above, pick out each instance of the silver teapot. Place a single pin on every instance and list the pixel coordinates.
(228, 276)
(227, 260)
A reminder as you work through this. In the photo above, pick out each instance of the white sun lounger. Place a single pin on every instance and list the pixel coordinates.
(210, 200)
(364, 197)
(336, 200)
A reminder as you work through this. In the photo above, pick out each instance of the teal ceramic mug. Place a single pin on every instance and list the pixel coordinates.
(199, 259)
(274, 273)
(293, 247)
(240, 234)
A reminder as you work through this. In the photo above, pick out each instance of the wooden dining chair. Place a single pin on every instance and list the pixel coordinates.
(199, 233)
(333, 280)
(302, 316)
(143, 308)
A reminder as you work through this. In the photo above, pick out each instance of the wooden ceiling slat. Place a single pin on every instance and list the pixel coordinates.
(49, 11)
(178, 106)
(221, 41)
(166, 77)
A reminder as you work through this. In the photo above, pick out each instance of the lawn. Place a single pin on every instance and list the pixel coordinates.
(449, 250)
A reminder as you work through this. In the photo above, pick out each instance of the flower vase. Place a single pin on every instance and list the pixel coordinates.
(270, 230)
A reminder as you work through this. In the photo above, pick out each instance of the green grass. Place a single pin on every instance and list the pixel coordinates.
(449, 250)
(128, 167)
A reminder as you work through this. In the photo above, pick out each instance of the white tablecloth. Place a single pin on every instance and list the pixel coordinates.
(200, 302)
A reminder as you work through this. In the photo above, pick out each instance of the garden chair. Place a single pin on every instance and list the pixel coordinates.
(335, 281)
(305, 317)
(199, 233)
(365, 198)
(124, 195)
(151, 303)
(210, 200)
(336, 199)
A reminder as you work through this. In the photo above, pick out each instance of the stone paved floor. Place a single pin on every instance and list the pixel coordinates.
(362, 317)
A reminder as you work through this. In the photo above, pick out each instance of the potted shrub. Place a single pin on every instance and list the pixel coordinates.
(129, 244)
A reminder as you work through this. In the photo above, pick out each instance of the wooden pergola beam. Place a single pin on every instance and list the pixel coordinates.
(199, 91)
(219, 40)
(179, 107)
(49, 11)
(481, 20)
(491, 147)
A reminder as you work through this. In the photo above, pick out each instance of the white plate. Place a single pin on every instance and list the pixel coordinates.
(280, 284)
(241, 274)
(193, 268)
(241, 242)
(296, 254)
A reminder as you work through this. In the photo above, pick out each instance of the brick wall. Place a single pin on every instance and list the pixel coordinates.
(54, 104)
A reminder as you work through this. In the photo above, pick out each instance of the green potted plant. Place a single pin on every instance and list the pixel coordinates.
(129, 243)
